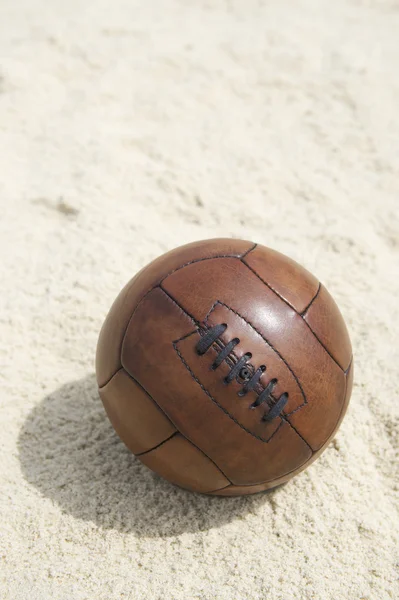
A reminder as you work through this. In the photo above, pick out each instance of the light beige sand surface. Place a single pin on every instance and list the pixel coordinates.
(130, 127)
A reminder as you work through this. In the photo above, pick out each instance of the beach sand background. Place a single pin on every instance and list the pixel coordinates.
(128, 128)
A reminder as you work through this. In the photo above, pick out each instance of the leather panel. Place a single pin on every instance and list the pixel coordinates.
(325, 319)
(181, 463)
(136, 418)
(292, 281)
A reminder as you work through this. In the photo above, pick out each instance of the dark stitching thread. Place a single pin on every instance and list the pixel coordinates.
(248, 251)
(216, 402)
(267, 284)
(134, 312)
(169, 418)
(176, 302)
(220, 489)
(158, 445)
(210, 310)
(350, 364)
(249, 485)
(311, 302)
(323, 346)
(269, 344)
(299, 314)
(343, 407)
(124, 333)
(284, 418)
(111, 378)
(195, 260)
(185, 336)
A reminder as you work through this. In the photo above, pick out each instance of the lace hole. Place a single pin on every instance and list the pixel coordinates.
(245, 373)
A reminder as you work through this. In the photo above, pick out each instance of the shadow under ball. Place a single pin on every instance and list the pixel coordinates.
(225, 366)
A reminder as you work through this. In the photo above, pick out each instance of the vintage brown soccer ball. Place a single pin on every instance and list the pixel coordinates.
(225, 366)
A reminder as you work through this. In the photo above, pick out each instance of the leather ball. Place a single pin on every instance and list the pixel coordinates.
(225, 367)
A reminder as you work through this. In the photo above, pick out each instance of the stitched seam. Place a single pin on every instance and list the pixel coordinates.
(267, 284)
(293, 308)
(311, 302)
(343, 407)
(293, 471)
(178, 430)
(169, 297)
(350, 364)
(158, 445)
(210, 310)
(305, 401)
(218, 344)
(219, 489)
(323, 346)
(284, 417)
(185, 336)
(248, 251)
(195, 260)
(129, 321)
(134, 312)
(266, 440)
(111, 378)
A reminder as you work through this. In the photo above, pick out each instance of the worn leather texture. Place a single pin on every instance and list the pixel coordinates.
(178, 414)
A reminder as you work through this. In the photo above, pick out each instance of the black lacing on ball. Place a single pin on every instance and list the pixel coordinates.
(242, 370)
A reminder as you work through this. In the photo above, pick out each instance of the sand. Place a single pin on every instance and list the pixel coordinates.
(128, 128)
